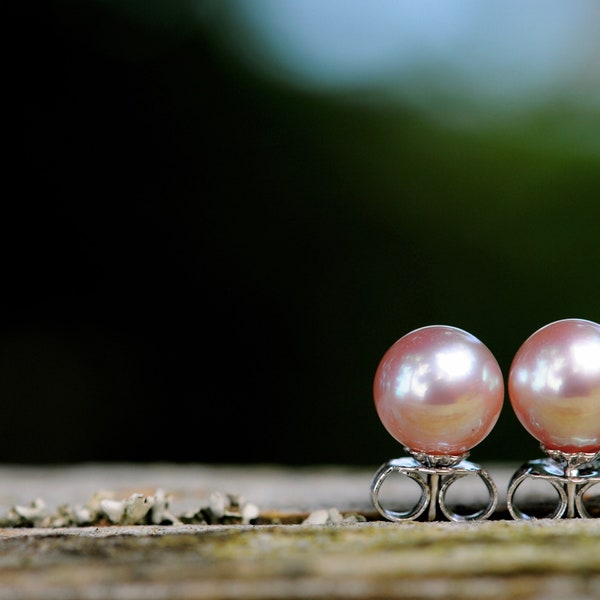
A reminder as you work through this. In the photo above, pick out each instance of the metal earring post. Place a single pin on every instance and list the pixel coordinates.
(433, 480)
(434, 474)
(571, 474)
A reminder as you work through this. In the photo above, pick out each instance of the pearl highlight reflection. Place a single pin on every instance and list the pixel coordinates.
(554, 385)
(438, 390)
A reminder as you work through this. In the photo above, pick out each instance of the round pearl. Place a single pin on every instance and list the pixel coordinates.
(554, 385)
(438, 390)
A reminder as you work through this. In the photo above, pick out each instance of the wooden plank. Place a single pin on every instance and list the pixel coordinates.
(499, 558)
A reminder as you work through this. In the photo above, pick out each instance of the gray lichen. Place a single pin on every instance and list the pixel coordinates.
(331, 516)
(103, 508)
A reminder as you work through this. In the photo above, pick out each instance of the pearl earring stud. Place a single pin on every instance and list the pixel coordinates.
(554, 389)
(438, 391)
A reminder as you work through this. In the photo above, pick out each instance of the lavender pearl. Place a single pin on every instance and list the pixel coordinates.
(438, 390)
(554, 385)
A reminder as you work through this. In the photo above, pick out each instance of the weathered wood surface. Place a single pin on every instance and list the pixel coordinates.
(291, 489)
(498, 559)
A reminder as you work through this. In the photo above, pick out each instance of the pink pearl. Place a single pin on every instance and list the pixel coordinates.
(438, 390)
(554, 385)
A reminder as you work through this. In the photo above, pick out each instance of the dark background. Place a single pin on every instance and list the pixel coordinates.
(204, 264)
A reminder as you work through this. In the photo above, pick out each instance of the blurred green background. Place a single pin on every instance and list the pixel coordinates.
(218, 215)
